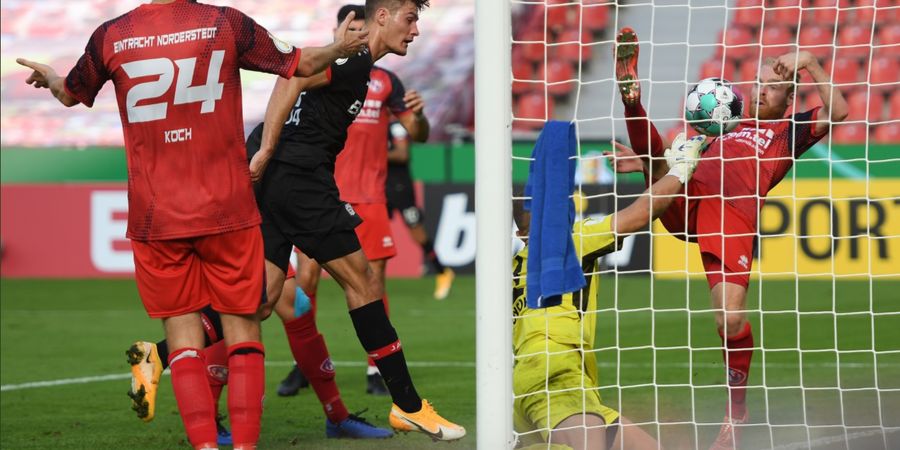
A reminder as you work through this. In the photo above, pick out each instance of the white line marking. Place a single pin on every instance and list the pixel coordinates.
(828, 440)
(432, 365)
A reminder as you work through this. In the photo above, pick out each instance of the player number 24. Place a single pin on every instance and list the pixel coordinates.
(206, 94)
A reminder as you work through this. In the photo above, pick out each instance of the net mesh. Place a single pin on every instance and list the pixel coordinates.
(823, 299)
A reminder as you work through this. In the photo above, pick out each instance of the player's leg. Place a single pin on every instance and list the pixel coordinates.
(645, 138)
(374, 380)
(379, 338)
(234, 279)
(306, 280)
(628, 435)
(168, 275)
(580, 432)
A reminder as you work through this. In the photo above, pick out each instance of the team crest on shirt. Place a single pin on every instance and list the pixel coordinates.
(282, 46)
(341, 61)
(376, 85)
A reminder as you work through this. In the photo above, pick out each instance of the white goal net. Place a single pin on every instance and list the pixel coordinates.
(823, 300)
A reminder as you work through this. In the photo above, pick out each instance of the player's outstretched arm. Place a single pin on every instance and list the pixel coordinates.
(346, 44)
(835, 106)
(682, 159)
(416, 123)
(45, 77)
(284, 97)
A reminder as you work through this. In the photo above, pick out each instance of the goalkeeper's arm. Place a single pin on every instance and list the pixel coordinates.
(681, 160)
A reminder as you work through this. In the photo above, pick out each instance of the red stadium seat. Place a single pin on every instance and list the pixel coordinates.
(713, 68)
(889, 37)
(522, 69)
(855, 41)
(886, 16)
(849, 133)
(594, 18)
(532, 51)
(748, 17)
(740, 44)
(783, 13)
(777, 41)
(825, 13)
(559, 72)
(885, 69)
(846, 71)
(818, 40)
(861, 103)
(888, 133)
(532, 106)
(563, 17)
(865, 12)
(894, 108)
(571, 49)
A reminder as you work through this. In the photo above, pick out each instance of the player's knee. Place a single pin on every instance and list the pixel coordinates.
(732, 322)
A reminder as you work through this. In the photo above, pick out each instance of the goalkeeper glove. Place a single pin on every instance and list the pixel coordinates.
(684, 156)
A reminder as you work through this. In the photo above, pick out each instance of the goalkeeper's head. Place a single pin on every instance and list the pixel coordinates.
(521, 217)
(773, 95)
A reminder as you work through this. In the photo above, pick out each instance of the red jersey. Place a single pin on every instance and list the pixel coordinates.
(753, 160)
(361, 167)
(175, 68)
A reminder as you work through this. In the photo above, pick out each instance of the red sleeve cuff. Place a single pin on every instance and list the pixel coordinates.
(87, 102)
(402, 112)
(328, 73)
(293, 66)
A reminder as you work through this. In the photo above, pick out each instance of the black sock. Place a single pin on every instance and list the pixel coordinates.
(212, 333)
(432, 258)
(375, 332)
(212, 326)
(162, 348)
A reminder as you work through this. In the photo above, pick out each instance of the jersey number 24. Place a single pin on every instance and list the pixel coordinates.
(206, 94)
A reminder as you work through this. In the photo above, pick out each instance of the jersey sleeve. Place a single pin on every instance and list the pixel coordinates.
(395, 100)
(90, 73)
(259, 50)
(594, 238)
(802, 131)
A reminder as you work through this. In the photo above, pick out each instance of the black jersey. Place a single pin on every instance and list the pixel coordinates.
(317, 126)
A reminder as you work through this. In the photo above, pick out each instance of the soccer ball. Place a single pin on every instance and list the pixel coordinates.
(713, 107)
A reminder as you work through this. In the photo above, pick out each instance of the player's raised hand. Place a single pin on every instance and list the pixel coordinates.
(350, 42)
(624, 159)
(684, 155)
(788, 64)
(42, 74)
(414, 101)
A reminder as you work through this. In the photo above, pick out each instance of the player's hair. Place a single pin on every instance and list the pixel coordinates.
(771, 61)
(345, 10)
(392, 5)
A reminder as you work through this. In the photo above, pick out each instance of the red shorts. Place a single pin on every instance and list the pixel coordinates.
(374, 233)
(180, 276)
(726, 240)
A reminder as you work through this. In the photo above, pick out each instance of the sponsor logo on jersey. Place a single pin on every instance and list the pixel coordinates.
(759, 138)
(349, 209)
(282, 46)
(218, 372)
(355, 108)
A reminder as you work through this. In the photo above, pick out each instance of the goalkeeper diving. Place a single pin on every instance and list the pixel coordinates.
(555, 377)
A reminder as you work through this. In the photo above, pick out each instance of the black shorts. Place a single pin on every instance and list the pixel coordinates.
(401, 196)
(302, 207)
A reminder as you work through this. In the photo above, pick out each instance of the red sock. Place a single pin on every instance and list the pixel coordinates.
(372, 366)
(311, 354)
(642, 133)
(216, 358)
(246, 389)
(192, 393)
(737, 360)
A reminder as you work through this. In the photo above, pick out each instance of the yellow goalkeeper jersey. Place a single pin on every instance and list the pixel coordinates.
(565, 323)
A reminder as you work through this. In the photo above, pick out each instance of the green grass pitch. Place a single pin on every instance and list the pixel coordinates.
(57, 330)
